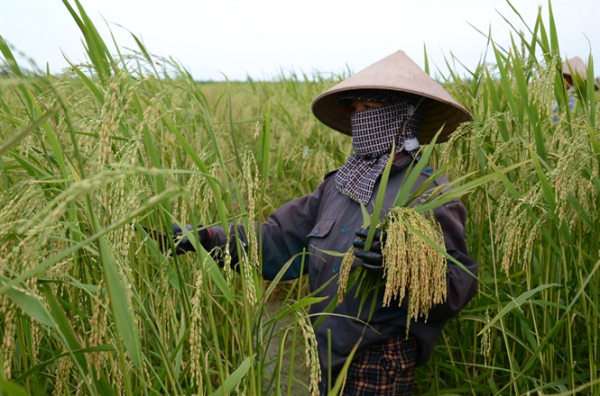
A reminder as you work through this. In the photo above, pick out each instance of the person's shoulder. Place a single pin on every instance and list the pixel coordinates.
(328, 181)
(329, 174)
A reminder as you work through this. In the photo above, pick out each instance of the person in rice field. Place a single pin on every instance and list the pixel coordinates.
(392, 102)
(572, 69)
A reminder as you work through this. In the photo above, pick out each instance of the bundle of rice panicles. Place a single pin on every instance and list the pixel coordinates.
(411, 264)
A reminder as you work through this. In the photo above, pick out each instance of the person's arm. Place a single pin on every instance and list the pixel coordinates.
(284, 236)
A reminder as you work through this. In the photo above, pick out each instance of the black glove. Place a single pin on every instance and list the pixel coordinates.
(372, 259)
(182, 243)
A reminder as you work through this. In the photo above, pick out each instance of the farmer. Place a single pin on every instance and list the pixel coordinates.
(391, 101)
(572, 69)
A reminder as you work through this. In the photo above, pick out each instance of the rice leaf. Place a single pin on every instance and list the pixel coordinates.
(31, 305)
(409, 183)
(265, 144)
(307, 301)
(591, 88)
(365, 214)
(120, 307)
(11, 388)
(15, 139)
(505, 79)
(234, 379)
(426, 59)
(65, 329)
(515, 303)
(340, 381)
(546, 188)
(553, 32)
(212, 267)
(379, 201)
(87, 81)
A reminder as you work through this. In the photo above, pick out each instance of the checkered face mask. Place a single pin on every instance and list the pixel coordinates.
(373, 134)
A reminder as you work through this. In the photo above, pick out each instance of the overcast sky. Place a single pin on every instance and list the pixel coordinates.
(259, 38)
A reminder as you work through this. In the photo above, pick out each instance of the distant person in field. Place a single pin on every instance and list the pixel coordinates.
(573, 69)
(391, 102)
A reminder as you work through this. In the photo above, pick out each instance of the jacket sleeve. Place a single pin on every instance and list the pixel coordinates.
(462, 286)
(284, 236)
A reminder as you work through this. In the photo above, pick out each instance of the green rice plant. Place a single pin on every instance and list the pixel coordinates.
(90, 305)
(541, 230)
(124, 313)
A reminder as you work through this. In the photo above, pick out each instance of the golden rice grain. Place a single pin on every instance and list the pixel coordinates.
(412, 266)
(311, 353)
(345, 269)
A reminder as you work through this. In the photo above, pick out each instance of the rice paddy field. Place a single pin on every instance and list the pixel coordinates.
(90, 306)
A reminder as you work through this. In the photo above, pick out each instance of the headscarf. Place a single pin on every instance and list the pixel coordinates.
(374, 132)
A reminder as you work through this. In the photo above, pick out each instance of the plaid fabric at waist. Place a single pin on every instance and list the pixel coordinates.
(386, 368)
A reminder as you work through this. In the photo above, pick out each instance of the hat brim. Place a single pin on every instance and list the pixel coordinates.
(439, 114)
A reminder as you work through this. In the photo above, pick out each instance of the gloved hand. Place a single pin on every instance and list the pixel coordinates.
(372, 259)
(182, 243)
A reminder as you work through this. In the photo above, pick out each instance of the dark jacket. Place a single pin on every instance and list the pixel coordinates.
(327, 220)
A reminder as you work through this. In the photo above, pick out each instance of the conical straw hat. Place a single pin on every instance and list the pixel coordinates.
(397, 72)
(577, 66)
